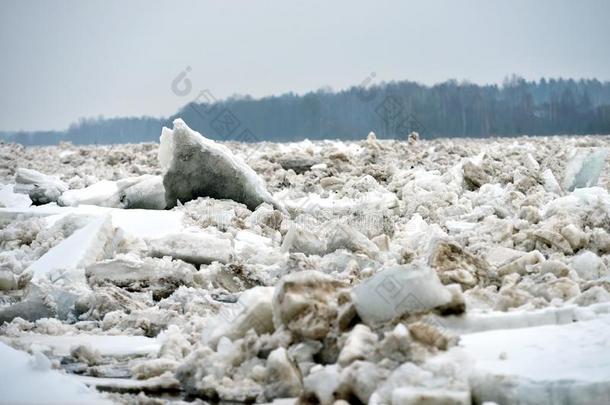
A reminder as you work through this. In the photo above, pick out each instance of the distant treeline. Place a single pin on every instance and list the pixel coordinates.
(391, 110)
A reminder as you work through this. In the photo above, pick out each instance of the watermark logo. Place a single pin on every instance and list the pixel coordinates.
(395, 118)
(390, 109)
(389, 289)
(224, 123)
(181, 85)
(365, 91)
(402, 300)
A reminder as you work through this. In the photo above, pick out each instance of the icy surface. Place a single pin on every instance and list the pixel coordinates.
(584, 168)
(30, 379)
(104, 345)
(537, 365)
(397, 291)
(41, 188)
(198, 248)
(83, 247)
(10, 199)
(195, 166)
(136, 192)
(446, 270)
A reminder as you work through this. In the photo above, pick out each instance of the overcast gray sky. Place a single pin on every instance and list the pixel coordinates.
(61, 60)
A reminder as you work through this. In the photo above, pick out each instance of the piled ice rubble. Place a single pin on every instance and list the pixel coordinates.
(380, 272)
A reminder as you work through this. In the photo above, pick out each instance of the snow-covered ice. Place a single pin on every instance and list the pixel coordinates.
(331, 272)
(542, 365)
(29, 379)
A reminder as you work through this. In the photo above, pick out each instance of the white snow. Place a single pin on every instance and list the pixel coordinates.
(26, 379)
(136, 222)
(389, 255)
(569, 363)
(471, 322)
(10, 199)
(106, 345)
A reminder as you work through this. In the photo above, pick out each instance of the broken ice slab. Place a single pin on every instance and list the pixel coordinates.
(399, 290)
(165, 382)
(8, 280)
(159, 276)
(541, 364)
(85, 246)
(147, 223)
(358, 346)
(30, 379)
(58, 276)
(193, 247)
(104, 193)
(308, 303)
(301, 239)
(10, 199)
(581, 202)
(253, 248)
(148, 193)
(41, 188)
(499, 255)
(343, 236)
(253, 310)
(322, 383)
(589, 266)
(34, 307)
(194, 166)
(299, 162)
(133, 192)
(549, 182)
(584, 167)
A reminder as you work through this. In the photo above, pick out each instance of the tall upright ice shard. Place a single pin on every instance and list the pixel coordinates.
(194, 166)
(584, 167)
